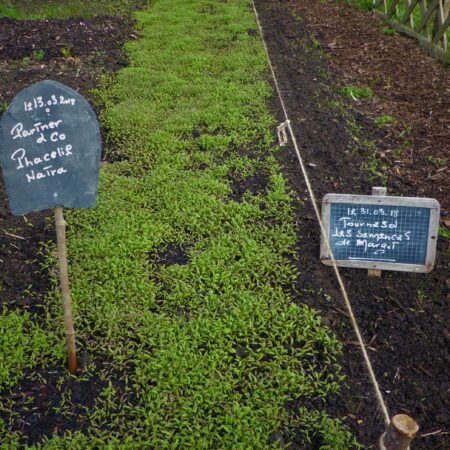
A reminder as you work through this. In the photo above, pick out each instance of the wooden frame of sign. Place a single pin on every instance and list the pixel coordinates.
(348, 233)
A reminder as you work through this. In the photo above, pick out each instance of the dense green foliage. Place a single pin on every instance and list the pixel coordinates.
(207, 350)
(57, 9)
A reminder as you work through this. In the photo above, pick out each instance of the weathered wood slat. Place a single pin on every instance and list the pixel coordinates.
(435, 50)
(393, 7)
(434, 4)
(423, 10)
(441, 16)
(410, 16)
(443, 28)
(408, 12)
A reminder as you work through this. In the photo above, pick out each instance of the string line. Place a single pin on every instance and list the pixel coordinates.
(287, 124)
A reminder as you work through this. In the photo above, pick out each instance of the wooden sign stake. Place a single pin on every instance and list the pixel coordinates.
(65, 289)
(380, 191)
(399, 434)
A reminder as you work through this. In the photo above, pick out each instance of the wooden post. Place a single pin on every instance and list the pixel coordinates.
(411, 15)
(65, 289)
(399, 434)
(443, 12)
(423, 10)
(381, 191)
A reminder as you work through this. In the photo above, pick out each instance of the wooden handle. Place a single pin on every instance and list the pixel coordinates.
(401, 431)
(65, 288)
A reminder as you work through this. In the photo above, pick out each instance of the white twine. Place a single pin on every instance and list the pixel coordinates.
(287, 124)
(282, 135)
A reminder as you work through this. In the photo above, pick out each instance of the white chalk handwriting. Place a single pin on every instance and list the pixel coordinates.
(24, 162)
(40, 102)
(19, 132)
(370, 230)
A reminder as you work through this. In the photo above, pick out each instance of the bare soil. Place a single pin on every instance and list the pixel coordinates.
(404, 317)
(408, 85)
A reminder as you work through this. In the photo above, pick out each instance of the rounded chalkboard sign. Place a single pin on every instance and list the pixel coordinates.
(50, 149)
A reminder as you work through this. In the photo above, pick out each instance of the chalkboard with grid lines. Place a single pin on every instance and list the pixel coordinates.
(380, 232)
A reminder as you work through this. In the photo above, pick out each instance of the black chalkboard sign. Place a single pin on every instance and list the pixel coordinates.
(379, 232)
(50, 149)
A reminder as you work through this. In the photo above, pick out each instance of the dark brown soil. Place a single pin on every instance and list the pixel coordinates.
(36, 398)
(169, 255)
(403, 317)
(408, 85)
(94, 47)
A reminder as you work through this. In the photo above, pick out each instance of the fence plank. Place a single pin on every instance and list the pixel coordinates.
(441, 16)
(408, 14)
(411, 5)
(423, 10)
(440, 32)
(427, 15)
(435, 50)
(393, 7)
(378, 3)
(435, 41)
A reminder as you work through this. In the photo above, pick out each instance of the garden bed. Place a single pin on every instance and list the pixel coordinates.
(77, 53)
(403, 316)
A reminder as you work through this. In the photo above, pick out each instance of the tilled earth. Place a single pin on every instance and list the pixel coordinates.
(404, 317)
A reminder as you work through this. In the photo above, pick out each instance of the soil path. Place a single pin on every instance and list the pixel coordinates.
(404, 317)
(408, 85)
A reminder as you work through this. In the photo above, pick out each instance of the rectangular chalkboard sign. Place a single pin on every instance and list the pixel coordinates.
(380, 232)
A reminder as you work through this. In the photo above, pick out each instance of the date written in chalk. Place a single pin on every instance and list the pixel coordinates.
(372, 212)
(40, 102)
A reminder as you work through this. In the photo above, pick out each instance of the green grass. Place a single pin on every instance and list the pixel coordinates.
(11, 12)
(54, 9)
(385, 119)
(357, 93)
(38, 55)
(65, 52)
(444, 233)
(388, 31)
(208, 352)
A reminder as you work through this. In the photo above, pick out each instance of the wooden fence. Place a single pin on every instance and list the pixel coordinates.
(425, 20)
